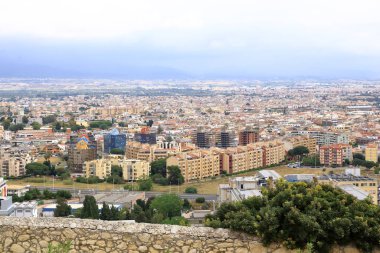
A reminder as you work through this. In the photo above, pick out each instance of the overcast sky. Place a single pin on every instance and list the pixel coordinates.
(190, 39)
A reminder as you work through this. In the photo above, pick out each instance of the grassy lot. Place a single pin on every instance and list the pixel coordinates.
(57, 161)
(208, 186)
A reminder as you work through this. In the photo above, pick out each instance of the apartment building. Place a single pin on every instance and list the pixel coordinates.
(248, 136)
(366, 184)
(325, 138)
(371, 152)
(13, 165)
(301, 140)
(145, 152)
(241, 158)
(196, 164)
(273, 152)
(82, 148)
(225, 139)
(132, 169)
(335, 155)
(202, 138)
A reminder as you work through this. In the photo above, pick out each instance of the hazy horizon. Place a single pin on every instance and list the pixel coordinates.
(170, 39)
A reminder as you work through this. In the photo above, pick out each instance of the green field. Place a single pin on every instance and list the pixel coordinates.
(208, 186)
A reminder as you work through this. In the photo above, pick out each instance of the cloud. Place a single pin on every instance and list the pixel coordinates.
(198, 35)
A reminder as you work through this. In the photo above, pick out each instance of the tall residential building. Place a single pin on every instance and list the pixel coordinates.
(301, 140)
(201, 138)
(225, 139)
(248, 136)
(328, 138)
(14, 165)
(82, 148)
(196, 164)
(371, 152)
(132, 169)
(241, 158)
(335, 155)
(325, 138)
(114, 140)
(145, 136)
(146, 152)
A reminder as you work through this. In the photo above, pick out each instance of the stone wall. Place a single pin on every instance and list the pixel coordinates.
(35, 234)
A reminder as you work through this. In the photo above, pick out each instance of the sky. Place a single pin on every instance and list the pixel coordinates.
(197, 39)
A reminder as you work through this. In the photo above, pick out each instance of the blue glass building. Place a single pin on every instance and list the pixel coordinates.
(114, 140)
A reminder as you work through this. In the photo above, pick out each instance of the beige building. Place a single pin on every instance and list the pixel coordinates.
(241, 158)
(14, 165)
(145, 152)
(273, 152)
(197, 164)
(335, 155)
(132, 169)
(366, 184)
(371, 152)
(301, 140)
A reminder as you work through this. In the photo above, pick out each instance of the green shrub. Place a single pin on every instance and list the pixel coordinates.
(200, 200)
(302, 216)
(191, 189)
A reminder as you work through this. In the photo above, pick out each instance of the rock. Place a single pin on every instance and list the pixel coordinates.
(44, 244)
(144, 237)
(15, 248)
(241, 250)
(185, 249)
(8, 241)
(23, 238)
(69, 233)
(143, 249)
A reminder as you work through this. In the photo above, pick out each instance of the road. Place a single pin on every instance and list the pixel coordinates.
(208, 197)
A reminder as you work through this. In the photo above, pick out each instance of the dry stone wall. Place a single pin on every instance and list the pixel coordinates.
(22, 235)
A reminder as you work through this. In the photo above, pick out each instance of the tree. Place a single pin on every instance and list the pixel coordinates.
(57, 126)
(200, 200)
(16, 127)
(175, 175)
(159, 179)
(49, 119)
(114, 179)
(169, 205)
(34, 169)
(178, 220)
(311, 161)
(186, 204)
(298, 151)
(158, 167)
(62, 209)
(358, 156)
(36, 126)
(105, 212)
(25, 120)
(145, 184)
(299, 215)
(117, 151)
(191, 189)
(138, 214)
(63, 194)
(90, 208)
(116, 171)
(115, 214)
(6, 124)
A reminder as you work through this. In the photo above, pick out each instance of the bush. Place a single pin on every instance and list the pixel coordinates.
(200, 200)
(63, 194)
(159, 179)
(302, 215)
(191, 189)
(145, 184)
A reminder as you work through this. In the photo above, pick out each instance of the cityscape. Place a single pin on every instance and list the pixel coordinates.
(203, 126)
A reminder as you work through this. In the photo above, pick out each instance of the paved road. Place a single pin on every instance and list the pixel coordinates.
(208, 197)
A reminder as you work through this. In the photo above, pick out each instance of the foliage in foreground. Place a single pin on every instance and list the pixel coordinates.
(299, 215)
